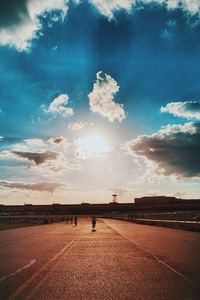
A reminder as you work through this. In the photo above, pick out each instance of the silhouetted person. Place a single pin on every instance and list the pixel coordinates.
(94, 221)
(71, 220)
(75, 221)
(67, 220)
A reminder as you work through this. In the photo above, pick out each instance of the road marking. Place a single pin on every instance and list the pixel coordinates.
(158, 260)
(41, 282)
(43, 269)
(62, 250)
(18, 271)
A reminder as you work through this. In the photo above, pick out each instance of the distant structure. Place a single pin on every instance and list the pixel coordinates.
(141, 205)
(114, 200)
(156, 200)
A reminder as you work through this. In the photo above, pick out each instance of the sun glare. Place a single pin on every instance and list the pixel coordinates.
(91, 146)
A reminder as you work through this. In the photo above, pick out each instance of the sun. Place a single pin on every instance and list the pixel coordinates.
(91, 146)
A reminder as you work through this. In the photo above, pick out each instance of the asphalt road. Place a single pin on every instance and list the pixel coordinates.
(120, 260)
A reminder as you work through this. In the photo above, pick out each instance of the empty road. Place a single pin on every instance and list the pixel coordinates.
(120, 260)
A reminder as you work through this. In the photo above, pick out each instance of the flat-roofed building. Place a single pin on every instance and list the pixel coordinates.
(157, 200)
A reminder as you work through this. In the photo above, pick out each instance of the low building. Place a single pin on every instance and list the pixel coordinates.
(157, 200)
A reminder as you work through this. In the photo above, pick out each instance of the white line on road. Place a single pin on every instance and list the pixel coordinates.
(18, 271)
(44, 268)
(41, 282)
(158, 259)
(62, 250)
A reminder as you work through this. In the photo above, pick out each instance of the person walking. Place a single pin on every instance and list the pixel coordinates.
(75, 220)
(94, 221)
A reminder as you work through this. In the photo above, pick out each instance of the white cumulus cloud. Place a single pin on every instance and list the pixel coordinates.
(20, 20)
(190, 6)
(187, 109)
(102, 101)
(108, 7)
(75, 126)
(59, 105)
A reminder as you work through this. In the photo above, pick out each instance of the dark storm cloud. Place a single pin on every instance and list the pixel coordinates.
(175, 149)
(42, 187)
(187, 109)
(37, 157)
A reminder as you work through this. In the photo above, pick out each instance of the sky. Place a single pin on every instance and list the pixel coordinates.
(99, 97)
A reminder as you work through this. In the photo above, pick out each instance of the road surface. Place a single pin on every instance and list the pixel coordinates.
(120, 260)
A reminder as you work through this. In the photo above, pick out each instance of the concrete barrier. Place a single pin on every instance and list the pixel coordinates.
(30, 220)
(185, 225)
(177, 224)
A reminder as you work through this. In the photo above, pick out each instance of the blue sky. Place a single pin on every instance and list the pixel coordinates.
(99, 97)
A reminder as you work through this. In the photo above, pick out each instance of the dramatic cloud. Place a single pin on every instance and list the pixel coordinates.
(47, 164)
(101, 99)
(43, 154)
(175, 149)
(20, 20)
(38, 158)
(58, 105)
(42, 187)
(188, 109)
(75, 126)
(189, 6)
(107, 8)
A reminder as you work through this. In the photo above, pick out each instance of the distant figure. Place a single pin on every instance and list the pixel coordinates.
(75, 220)
(67, 219)
(94, 221)
(71, 220)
